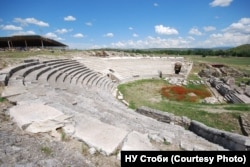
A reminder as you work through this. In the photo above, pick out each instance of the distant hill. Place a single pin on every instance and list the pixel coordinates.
(239, 51)
(242, 50)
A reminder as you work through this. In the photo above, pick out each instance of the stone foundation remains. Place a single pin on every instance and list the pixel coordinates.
(228, 140)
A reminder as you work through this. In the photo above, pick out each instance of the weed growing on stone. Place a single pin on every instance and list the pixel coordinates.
(84, 149)
(46, 150)
(2, 99)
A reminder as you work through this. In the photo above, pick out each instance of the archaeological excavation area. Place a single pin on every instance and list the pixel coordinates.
(78, 94)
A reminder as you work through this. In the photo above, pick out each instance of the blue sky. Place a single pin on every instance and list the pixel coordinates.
(90, 24)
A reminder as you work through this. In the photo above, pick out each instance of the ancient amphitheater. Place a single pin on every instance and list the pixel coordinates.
(77, 93)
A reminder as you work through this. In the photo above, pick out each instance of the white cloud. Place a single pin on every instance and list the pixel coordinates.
(153, 42)
(221, 3)
(156, 4)
(110, 35)
(78, 35)
(194, 31)
(160, 29)
(191, 38)
(24, 33)
(51, 35)
(242, 27)
(88, 24)
(62, 31)
(34, 21)
(12, 28)
(235, 34)
(209, 28)
(130, 28)
(69, 18)
(135, 35)
(216, 35)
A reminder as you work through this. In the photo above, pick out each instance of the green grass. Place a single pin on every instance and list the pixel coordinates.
(147, 93)
(24, 54)
(222, 60)
(2, 99)
(238, 107)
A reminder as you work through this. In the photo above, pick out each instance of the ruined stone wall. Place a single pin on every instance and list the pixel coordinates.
(164, 116)
(228, 140)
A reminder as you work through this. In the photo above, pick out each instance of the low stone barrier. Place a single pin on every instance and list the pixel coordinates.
(164, 116)
(231, 141)
(244, 120)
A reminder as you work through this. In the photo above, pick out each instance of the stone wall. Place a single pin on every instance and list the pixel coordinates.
(164, 116)
(228, 140)
(231, 141)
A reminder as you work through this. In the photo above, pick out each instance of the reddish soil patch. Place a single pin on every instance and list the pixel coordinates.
(180, 93)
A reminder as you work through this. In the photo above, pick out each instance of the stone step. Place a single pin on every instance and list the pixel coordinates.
(64, 70)
(80, 77)
(70, 73)
(76, 77)
(93, 81)
(75, 74)
(62, 61)
(18, 71)
(32, 68)
(51, 70)
(17, 68)
(54, 60)
(88, 78)
(84, 77)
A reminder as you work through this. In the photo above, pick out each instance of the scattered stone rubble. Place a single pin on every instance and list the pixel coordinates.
(210, 100)
(230, 141)
(229, 91)
(181, 81)
(222, 78)
(220, 70)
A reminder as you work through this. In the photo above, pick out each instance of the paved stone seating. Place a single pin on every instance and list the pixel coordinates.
(86, 110)
(60, 73)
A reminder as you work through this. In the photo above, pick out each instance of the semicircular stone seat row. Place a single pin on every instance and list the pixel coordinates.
(60, 73)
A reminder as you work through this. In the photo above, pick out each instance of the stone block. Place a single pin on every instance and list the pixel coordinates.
(137, 141)
(101, 136)
(37, 117)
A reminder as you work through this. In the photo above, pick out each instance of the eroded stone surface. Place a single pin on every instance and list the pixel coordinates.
(137, 141)
(103, 137)
(37, 117)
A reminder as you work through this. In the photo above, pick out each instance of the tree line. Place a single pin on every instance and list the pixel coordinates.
(200, 52)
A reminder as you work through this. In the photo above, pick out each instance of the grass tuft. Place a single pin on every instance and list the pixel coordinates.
(46, 150)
